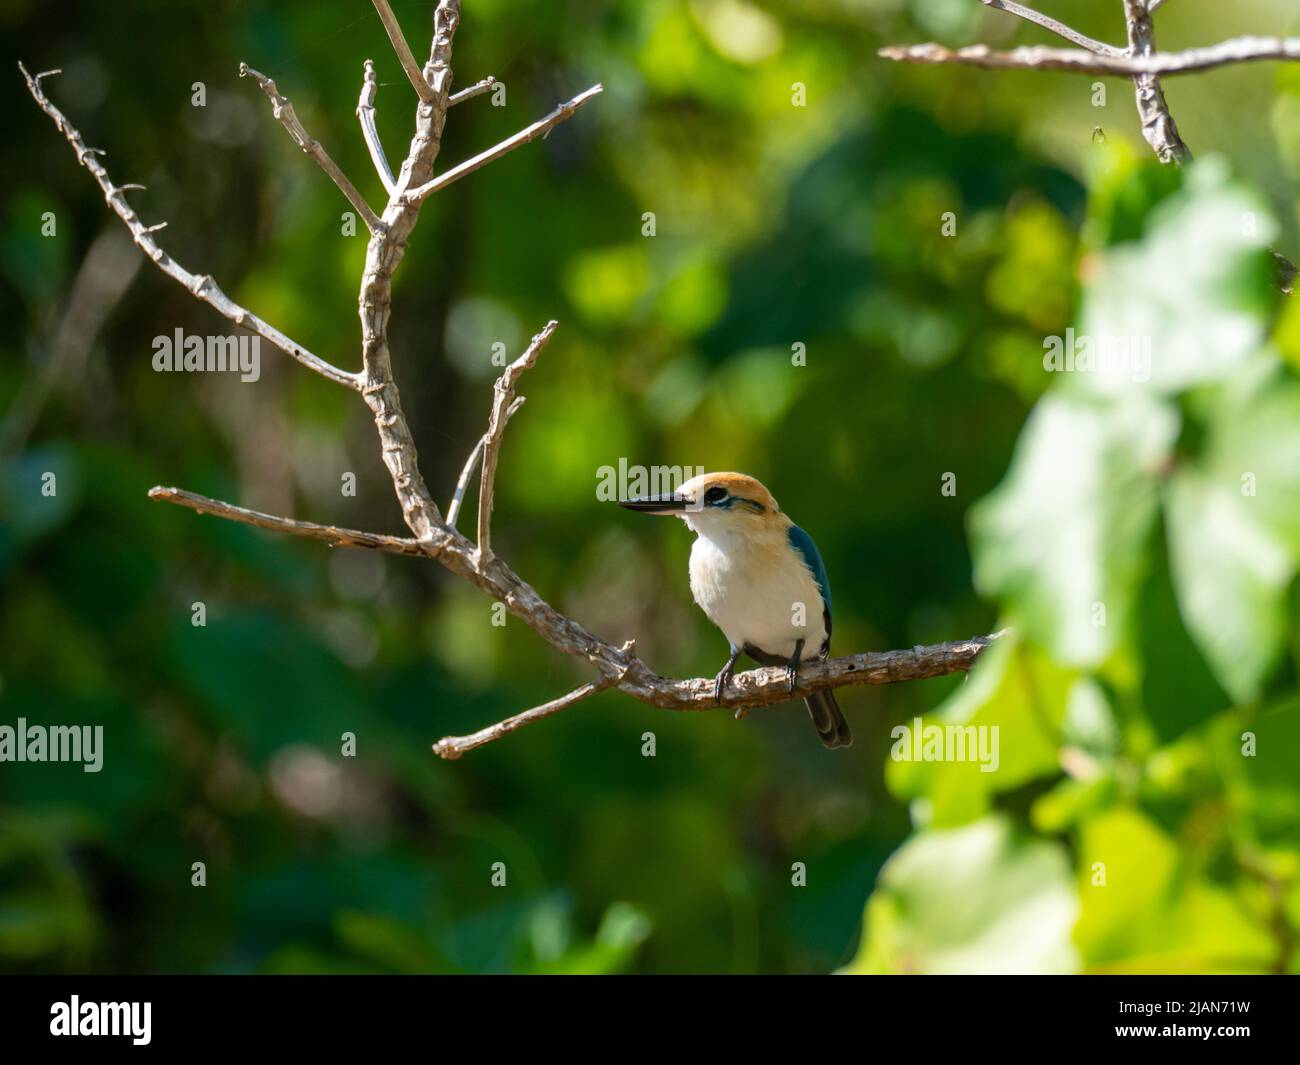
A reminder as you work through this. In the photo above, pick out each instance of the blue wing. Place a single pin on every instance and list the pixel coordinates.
(807, 550)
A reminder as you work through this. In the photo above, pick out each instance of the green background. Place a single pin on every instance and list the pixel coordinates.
(1122, 749)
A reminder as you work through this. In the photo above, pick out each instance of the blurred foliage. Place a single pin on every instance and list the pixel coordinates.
(1143, 546)
(775, 225)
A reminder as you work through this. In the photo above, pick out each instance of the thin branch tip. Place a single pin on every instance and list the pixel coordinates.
(282, 110)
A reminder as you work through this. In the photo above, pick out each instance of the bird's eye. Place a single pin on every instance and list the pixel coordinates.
(715, 495)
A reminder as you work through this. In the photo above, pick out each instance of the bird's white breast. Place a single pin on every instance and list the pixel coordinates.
(758, 595)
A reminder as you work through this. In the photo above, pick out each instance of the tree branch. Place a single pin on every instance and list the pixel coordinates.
(1140, 61)
(366, 115)
(283, 111)
(452, 747)
(1040, 57)
(404, 54)
(619, 666)
(201, 286)
(504, 405)
(462, 483)
(539, 128)
(477, 89)
(767, 686)
(1158, 126)
(1055, 26)
(331, 534)
(384, 254)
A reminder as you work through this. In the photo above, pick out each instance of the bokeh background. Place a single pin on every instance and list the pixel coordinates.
(1146, 813)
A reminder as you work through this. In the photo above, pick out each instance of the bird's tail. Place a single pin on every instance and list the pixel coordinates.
(831, 727)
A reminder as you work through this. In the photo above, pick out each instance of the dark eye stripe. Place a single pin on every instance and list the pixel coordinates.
(717, 497)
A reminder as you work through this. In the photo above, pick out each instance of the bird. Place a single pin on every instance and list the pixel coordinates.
(760, 579)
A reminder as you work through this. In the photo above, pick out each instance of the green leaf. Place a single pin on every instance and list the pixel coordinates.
(1015, 699)
(1144, 911)
(1062, 540)
(1232, 575)
(979, 899)
(1198, 289)
(1178, 690)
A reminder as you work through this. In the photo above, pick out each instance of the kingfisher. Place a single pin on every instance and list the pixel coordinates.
(760, 579)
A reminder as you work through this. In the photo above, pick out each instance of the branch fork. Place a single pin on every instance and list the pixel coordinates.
(1140, 61)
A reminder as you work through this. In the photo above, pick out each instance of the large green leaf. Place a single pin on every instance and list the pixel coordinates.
(1015, 700)
(1195, 292)
(1145, 911)
(1232, 575)
(978, 899)
(1062, 540)
(1234, 527)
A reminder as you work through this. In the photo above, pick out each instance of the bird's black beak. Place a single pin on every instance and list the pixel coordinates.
(671, 504)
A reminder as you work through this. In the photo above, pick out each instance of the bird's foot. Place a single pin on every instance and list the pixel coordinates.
(792, 667)
(742, 712)
(721, 681)
(724, 676)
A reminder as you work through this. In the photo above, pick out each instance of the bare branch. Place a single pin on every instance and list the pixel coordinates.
(200, 285)
(538, 129)
(453, 511)
(366, 114)
(504, 405)
(1055, 26)
(477, 89)
(331, 534)
(1158, 126)
(1140, 61)
(404, 55)
(452, 747)
(754, 688)
(618, 666)
(1038, 57)
(284, 114)
(383, 256)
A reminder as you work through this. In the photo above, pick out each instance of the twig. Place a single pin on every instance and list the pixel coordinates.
(477, 89)
(404, 55)
(1055, 26)
(504, 405)
(538, 129)
(1158, 126)
(283, 111)
(1040, 57)
(366, 114)
(452, 747)
(331, 534)
(201, 286)
(462, 483)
